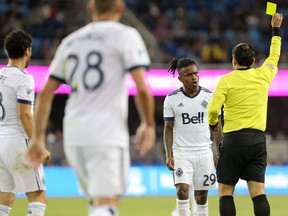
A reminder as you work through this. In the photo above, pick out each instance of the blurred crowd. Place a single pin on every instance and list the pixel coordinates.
(208, 30)
(204, 30)
(48, 21)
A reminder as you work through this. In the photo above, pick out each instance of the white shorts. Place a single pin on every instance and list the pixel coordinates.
(16, 175)
(196, 170)
(102, 172)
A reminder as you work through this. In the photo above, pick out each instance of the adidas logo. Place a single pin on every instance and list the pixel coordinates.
(181, 105)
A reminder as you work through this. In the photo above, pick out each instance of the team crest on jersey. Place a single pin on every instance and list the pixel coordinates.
(179, 172)
(29, 91)
(204, 104)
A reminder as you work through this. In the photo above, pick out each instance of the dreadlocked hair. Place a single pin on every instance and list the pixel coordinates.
(179, 64)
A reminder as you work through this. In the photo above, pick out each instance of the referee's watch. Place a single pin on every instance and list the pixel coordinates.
(276, 31)
(212, 127)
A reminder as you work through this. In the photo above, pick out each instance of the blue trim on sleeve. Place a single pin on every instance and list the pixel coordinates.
(24, 101)
(57, 78)
(168, 118)
(139, 66)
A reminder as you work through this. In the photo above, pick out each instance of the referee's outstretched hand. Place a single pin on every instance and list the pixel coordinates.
(276, 20)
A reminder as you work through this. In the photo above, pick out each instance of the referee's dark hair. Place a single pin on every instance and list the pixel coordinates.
(244, 54)
(16, 42)
(179, 64)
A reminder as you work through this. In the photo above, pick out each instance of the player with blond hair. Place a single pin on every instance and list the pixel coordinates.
(95, 61)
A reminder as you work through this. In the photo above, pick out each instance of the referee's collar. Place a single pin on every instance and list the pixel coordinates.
(247, 68)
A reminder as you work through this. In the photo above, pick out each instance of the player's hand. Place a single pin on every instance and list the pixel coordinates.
(276, 20)
(215, 128)
(170, 163)
(145, 139)
(37, 154)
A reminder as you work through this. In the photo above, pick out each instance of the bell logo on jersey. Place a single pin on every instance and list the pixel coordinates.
(198, 119)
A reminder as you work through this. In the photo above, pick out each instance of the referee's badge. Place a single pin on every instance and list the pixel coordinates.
(179, 172)
(271, 66)
(204, 104)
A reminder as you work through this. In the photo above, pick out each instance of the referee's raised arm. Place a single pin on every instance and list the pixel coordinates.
(244, 94)
(270, 66)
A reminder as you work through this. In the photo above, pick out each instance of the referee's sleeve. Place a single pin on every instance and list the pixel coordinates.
(270, 66)
(216, 102)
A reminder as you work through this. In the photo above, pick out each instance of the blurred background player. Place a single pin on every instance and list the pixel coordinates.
(244, 94)
(17, 123)
(95, 61)
(187, 138)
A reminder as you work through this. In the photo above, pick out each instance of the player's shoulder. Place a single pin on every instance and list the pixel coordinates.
(75, 34)
(122, 26)
(113, 28)
(12, 70)
(205, 90)
(16, 75)
(175, 92)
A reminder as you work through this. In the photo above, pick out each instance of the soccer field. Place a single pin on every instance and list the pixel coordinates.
(148, 206)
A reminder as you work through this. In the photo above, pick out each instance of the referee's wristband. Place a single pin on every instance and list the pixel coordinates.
(276, 31)
(212, 127)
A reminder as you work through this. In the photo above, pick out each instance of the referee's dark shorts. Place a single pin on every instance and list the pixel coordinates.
(243, 155)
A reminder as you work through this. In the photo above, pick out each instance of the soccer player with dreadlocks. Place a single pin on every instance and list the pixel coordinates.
(187, 138)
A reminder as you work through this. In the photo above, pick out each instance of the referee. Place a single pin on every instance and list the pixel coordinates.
(244, 94)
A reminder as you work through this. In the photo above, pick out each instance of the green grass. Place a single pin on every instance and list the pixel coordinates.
(147, 206)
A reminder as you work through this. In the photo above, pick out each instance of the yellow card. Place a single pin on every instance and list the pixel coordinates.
(271, 8)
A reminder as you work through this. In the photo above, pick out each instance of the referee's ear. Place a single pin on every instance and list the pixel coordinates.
(234, 63)
(253, 62)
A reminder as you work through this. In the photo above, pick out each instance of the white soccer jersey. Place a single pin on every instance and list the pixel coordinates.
(94, 61)
(191, 129)
(16, 86)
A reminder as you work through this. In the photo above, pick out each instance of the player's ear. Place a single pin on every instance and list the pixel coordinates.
(121, 7)
(27, 52)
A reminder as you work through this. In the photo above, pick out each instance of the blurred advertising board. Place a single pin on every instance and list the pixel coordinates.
(154, 181)
(161, 82)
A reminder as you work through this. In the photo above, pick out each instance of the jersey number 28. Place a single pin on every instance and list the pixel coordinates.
(92, 66)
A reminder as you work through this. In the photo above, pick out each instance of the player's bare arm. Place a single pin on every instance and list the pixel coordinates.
(26, 118)
(168, 143)
(145, 135)
(38, 153)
